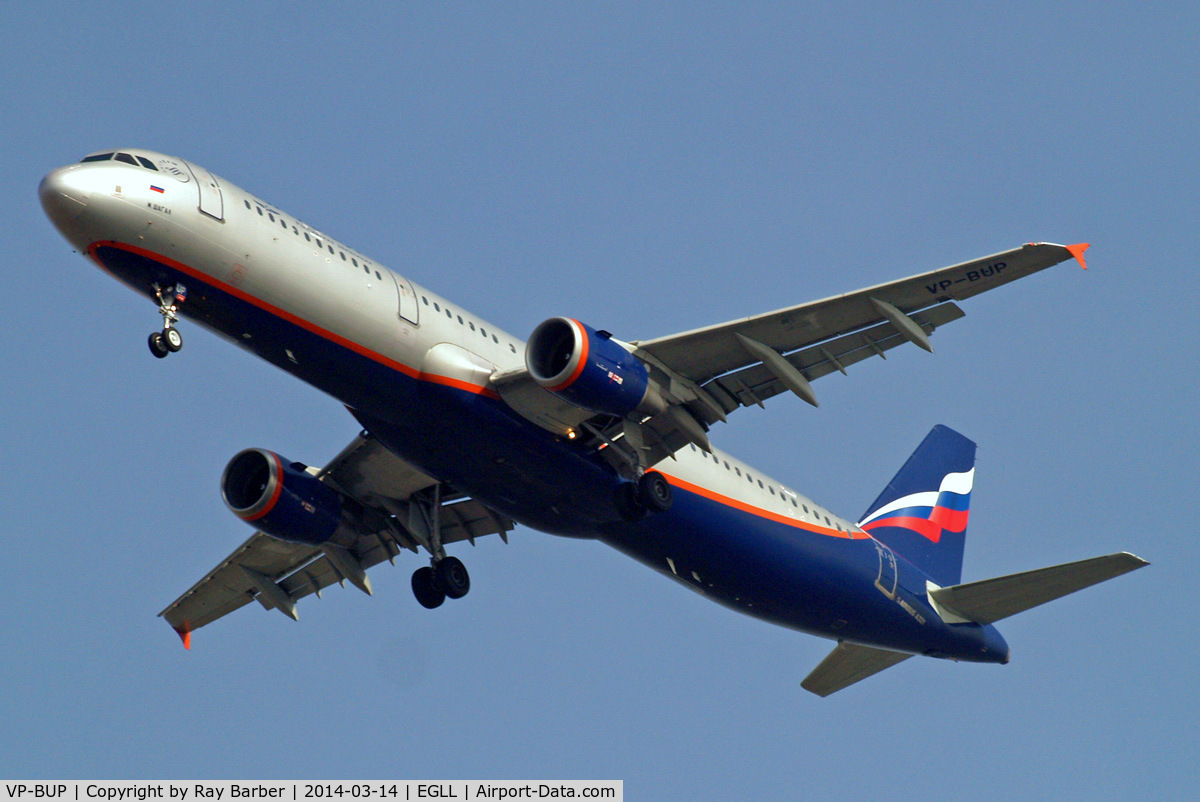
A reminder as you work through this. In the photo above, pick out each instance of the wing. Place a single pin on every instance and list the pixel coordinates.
(399, 501)
(990, 600)
(707, 373)
(847, 664)
(817, 338)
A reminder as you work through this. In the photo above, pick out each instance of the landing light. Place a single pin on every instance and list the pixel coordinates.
(571, 434)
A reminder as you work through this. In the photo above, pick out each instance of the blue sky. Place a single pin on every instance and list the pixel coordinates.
(647, 170)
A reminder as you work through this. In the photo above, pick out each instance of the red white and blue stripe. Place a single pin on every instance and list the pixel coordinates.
(929, 513)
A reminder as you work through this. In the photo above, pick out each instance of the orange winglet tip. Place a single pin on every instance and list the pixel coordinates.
(185, 635)
(1077, 252)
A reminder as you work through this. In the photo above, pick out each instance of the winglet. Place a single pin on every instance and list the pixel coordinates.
(1077, 252)
(185, 635)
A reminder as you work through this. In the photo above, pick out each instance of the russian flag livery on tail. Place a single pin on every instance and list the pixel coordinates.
(922, 513)
(468, 430)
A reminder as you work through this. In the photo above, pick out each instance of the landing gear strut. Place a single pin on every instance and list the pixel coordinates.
(169, 340)
(445, 577)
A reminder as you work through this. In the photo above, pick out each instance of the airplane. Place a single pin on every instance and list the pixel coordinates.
(468, 431)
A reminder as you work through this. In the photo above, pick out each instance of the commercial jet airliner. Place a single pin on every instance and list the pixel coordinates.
(467, 430)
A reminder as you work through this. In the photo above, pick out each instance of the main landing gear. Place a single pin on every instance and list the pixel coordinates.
(651, 493)
(169, 340)
(445, 579)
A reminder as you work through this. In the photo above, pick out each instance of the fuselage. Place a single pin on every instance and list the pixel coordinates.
(414, 368)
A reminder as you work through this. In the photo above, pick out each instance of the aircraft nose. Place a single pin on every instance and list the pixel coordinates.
(63, 194)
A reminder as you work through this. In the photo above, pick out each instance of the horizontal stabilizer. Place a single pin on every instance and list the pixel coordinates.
(993, 599)
(847, 664)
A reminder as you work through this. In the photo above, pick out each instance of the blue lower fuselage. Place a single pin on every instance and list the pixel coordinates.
(836, 587)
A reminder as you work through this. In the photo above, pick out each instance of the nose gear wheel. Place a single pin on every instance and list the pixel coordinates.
(169, 340)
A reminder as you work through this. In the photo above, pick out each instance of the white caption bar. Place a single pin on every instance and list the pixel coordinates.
(304, 791)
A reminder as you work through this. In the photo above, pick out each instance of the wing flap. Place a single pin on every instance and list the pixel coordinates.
(705, 353)
(847, 664)
(757, 383)
(990, 600)
(376, 478)
(227, 588)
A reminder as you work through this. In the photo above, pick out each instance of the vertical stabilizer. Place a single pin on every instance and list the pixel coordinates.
(922, 513)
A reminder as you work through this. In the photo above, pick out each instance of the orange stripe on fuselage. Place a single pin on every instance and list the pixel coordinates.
(361, 350)
(446, 380)
(759, 511)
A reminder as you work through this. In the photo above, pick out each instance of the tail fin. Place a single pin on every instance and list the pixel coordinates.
(922, 513)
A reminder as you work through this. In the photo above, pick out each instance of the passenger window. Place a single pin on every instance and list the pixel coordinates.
(343, 253)
(330, 248)
(283, 223)
(247, 203)
(99, 157)
(260, 211)
(512, 348)
(125, 157)
(306, 237)
(436, 308)
(738, 471)
(149, 165)
(472, 325)
(483, 331)
(355, 261)
(495, 339)
(271, 216)
(448, 313)
(378, 276)
(460, 320)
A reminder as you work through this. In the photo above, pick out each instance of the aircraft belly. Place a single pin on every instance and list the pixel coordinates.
(799, 579)
(802, 580)
(812, 582)
(476, 445)
(460, 435)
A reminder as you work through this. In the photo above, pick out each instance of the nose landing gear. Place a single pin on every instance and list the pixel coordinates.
(169, 340)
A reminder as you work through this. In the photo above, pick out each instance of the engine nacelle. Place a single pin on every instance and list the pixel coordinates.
(280, 498)
(589, 369)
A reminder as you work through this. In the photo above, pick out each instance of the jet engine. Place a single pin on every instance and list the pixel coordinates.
(282, 498)
(590, 369)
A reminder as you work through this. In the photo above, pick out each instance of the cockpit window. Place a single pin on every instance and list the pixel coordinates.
(125, 157)
(96, 157)
(149, 165)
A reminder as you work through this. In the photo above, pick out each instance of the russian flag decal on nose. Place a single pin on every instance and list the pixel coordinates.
(156, 189)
